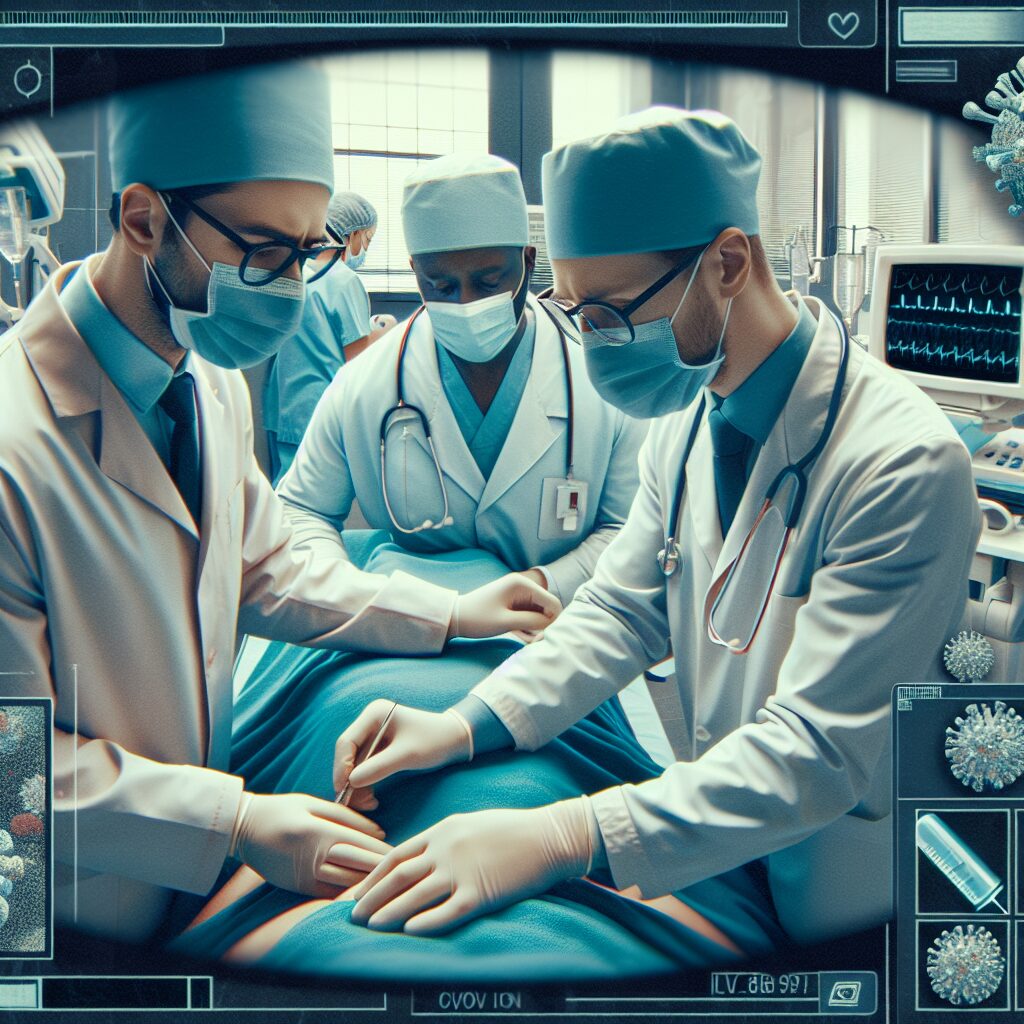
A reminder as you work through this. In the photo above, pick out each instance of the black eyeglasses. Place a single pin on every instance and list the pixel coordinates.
(602, 318)
(265, 261)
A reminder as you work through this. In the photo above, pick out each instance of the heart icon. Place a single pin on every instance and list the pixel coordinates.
(844, 25)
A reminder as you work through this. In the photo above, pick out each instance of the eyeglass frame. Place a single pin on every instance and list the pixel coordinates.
(623, 313)
(299, 253)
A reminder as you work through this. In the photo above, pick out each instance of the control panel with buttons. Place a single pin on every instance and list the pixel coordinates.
(1000, 461)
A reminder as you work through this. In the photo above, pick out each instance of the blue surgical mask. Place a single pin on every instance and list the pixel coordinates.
(476, 331)
(242, 325)
(354, 262)
(646, 377)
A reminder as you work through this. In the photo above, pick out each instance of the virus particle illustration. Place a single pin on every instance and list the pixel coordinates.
(986, 747)
(965, 966)
(968, 657)
(33, 795)
(5, 911)
(23, 825)
(1005, 153)
(6, 842)
(12, 732)
(6, 887)
(12, 868)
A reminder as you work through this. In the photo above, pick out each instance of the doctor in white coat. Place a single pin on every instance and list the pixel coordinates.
(787, 643)
(487, 416)
(138, 535)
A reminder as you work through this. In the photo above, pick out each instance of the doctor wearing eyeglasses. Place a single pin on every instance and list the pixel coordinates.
(800, 542)
(472, 424)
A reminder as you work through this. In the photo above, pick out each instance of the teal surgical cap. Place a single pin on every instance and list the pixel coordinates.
(270, 122)
(659, 179)
(348, 212)
(464, 201)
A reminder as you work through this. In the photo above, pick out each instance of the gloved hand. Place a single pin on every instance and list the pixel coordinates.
(304, 844)
(512, 604)
(413, 739)
(383, 322)
(470, 864)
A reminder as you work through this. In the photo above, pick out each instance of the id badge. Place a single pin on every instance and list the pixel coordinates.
(563, 508)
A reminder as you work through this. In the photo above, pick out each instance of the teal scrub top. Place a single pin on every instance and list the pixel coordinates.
(485, 433)
(336, 313)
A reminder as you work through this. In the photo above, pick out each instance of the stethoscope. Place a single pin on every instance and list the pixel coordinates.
(401, 405)
(669, 555)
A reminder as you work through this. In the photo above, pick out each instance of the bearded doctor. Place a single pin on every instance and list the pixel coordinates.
(137, 533)
(800, 542)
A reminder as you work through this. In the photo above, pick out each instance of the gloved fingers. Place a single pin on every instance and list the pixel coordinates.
(342, 815)
(391, 881)
(393, 758)
(404, 851)
(343, 876)
(356, 738)
(363, 799)
(425, 893)
(530, 597)
(527, 636)
(461, 907)
(339, 844)
(526, 622)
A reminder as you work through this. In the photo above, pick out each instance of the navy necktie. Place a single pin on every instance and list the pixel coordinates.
(730, 462)
(179, 402)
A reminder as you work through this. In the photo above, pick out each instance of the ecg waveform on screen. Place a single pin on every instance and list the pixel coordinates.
(956, 320)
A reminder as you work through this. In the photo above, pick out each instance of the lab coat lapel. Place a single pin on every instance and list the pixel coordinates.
(422, 385)
(76, 385)
(540, 418)
(794, 434)
(214, 434)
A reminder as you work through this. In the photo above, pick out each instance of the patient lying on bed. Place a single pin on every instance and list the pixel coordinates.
(289, 715)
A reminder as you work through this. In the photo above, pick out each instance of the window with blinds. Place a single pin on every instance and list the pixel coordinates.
(882, 166)
(969, 207)
(779, 116)
(392, 111)
(589, 90)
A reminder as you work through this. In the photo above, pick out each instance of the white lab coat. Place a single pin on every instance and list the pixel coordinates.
(790, 742)
(339, 461)
(112, 606)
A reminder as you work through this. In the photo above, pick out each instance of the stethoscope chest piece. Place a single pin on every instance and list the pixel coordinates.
(668, 557)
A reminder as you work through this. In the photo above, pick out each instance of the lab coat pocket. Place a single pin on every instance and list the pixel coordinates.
(780, 615)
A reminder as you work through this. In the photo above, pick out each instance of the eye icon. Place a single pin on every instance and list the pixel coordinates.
(845, 993)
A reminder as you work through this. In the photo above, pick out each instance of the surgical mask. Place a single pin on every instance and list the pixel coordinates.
(477, 331)
(242, 325)
(356, 261)
(646, 378)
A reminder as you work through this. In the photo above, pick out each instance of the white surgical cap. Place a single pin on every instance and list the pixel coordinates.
(464, 201)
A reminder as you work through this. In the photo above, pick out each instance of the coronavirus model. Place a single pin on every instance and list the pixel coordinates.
(33, 795)
(986, 747)
(1005, 153)
(968, 657)
(965, 966)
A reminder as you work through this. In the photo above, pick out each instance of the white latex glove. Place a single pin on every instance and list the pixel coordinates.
(413, 739)
(470, 864)
(512, 604)
(383, 322)
(306, 845)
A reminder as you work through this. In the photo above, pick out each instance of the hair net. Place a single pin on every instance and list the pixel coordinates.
(348, 212)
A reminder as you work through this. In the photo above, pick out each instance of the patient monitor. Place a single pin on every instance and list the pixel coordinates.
(950, 319)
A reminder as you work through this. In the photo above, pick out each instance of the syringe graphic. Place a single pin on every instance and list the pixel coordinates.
(958, 862)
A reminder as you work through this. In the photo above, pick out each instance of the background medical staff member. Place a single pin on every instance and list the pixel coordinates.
(137, 533)
(487, 369)
(789, 775)
(336, 326)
